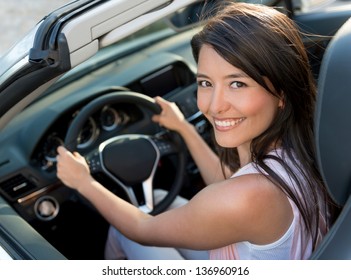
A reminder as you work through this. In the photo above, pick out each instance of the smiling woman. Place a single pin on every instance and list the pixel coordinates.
(121, 82)
(254, 112)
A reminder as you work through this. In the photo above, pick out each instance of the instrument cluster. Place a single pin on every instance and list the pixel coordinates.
(110, 119)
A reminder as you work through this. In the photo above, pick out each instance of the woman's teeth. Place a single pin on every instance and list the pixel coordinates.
(228, 123)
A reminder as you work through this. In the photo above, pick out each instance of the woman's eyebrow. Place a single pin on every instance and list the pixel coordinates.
(237, 75)
(199, 75)
(230, 76)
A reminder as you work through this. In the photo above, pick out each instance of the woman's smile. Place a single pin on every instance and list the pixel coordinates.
(227, 124)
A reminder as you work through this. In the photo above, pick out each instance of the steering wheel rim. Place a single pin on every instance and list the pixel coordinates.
(110, 96)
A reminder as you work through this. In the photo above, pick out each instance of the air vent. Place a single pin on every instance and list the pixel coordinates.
(16, 187)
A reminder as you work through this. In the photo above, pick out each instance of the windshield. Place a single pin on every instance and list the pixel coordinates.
(144, 36)
(18, 52)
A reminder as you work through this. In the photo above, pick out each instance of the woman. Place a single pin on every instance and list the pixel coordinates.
(265, 198)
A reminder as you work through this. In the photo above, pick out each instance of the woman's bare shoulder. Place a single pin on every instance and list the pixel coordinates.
(252, 205)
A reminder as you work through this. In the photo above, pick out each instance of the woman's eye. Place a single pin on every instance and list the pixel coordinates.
(237, 84)
(204, 83)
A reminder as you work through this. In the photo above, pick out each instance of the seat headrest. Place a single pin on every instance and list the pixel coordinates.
(333, 115)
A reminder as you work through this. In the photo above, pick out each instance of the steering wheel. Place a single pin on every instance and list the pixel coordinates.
(131, 159)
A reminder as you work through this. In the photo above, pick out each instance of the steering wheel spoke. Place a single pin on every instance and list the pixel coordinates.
(165, 146)
(94, 161)
(148, 192)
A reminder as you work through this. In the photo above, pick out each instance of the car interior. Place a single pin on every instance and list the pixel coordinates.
(103, 107)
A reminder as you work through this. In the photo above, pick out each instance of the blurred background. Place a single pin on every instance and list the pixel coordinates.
(19, 16)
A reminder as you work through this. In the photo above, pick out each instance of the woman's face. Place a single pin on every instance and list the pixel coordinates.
(238, 107)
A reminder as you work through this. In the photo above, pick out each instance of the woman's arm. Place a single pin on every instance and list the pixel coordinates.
(206, 160)
(221, 214)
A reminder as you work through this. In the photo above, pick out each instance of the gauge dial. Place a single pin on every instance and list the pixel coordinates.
(109, 118)
(88, 134)
(50, 147)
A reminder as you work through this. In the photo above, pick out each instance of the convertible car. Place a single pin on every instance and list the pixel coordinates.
(85, 77)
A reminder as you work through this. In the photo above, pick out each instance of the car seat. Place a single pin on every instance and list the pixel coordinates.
(333, 140)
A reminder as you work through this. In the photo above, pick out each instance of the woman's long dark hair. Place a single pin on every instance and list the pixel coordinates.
(263, 42)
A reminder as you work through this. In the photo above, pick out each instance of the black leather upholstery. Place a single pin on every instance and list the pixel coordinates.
(333, 115)
(333, 139)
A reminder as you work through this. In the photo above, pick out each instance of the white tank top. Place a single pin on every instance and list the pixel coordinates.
(296, 243)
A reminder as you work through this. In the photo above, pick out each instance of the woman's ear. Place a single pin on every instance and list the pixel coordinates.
(281, 103)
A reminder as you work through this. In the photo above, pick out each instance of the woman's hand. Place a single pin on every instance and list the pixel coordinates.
(72, 168)
(171, 117)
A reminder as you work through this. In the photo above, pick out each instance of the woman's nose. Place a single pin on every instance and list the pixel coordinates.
(218, 102)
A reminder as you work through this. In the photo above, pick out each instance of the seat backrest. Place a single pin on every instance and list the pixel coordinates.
(333, 139)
